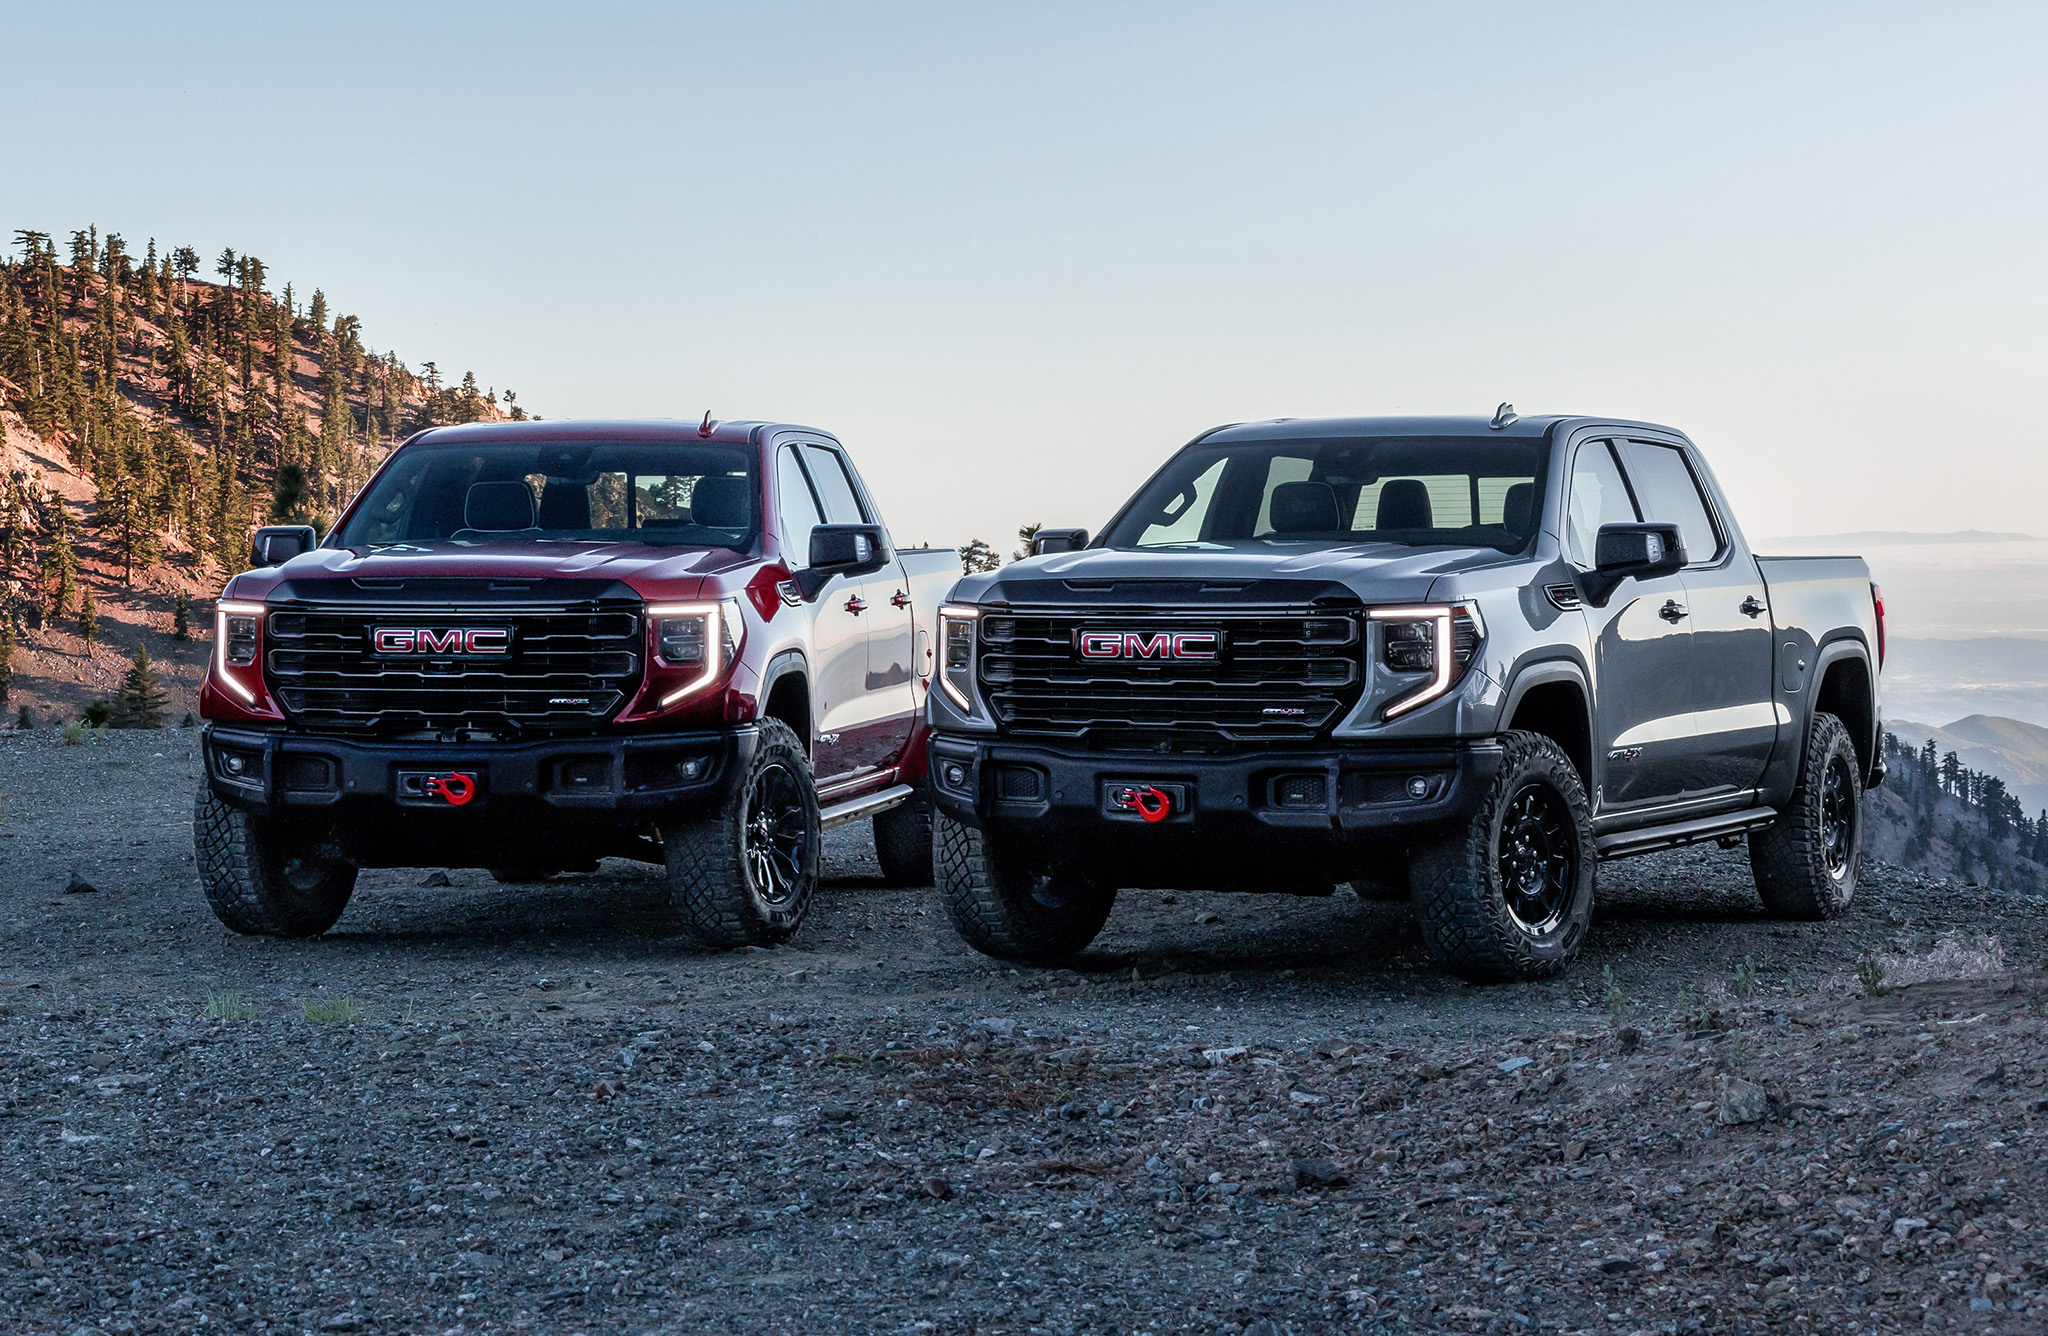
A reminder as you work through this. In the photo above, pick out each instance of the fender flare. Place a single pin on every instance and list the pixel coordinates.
(1846, 645)
(1546, 672)
(783, 665)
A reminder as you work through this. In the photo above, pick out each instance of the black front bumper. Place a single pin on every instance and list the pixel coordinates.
(1234, 818)
(580, 797)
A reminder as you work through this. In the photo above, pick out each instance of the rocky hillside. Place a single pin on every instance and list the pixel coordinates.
(149, 419)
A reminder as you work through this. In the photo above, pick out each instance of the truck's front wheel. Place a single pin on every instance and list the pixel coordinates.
(1805, 861)
(1012, 901)
(745, 875)
(260, 877)
(1510, 894)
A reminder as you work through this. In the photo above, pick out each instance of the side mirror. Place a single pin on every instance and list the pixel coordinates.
(842, 549)
(276, 544)
(1624, 551)
(1058, 540)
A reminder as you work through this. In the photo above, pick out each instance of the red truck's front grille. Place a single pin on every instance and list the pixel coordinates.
(566, 670)
(1276, 677)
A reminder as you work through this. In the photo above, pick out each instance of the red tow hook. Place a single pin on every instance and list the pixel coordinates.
(1151, 803)
(457, 789)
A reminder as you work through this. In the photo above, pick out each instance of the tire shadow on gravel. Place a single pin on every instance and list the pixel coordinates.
(572, 907)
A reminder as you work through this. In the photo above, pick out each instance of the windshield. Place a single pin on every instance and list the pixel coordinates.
(1417, 491)
(584, 491)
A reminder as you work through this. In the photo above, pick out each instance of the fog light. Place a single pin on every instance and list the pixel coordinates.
(1418, 787)
(234, 765)
(956, 775)
(695, 767)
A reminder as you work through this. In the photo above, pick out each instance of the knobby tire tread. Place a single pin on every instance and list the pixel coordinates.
(1788, 858)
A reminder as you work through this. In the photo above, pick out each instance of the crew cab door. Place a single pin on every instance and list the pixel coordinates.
(1642, 650)
(838, 639)
(1734, 710)
(868, 705)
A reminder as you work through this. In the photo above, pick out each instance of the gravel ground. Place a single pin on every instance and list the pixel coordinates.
(473, 1108)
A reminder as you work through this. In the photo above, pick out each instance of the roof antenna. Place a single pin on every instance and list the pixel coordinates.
(705, 428)
(1502, 416)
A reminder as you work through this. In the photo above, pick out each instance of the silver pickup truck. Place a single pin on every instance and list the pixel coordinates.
(1458, 660)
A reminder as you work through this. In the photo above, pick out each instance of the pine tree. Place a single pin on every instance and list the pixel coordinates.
(140, 702)
(978, 556)
(88, 615)
(181, 618)
(6, 657)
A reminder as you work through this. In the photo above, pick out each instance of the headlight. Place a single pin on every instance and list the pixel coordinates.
(957, 625)
(705, 637)
(238, 636)
(1438, 639)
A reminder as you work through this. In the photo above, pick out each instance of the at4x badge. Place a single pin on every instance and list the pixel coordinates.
(1150, 803)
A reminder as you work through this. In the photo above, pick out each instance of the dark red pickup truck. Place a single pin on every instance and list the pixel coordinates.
(528, 646)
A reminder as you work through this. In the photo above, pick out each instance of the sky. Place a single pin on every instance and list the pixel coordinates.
(1015, 255)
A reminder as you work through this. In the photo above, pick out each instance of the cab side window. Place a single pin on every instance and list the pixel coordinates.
(799, 507)
(1599, 496)
(1665, 483)
(835, 489)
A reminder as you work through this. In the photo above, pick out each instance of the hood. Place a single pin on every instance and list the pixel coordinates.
(1368, 572)
(646, 568)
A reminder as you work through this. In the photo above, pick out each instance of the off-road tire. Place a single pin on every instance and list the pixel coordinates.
(1801, 871)
(259, 878)
(712, 884)
(1013, 901)
(1462, 889)
(903, 840)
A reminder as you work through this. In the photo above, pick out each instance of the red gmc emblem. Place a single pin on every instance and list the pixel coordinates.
(1156, 645)
(442, 640)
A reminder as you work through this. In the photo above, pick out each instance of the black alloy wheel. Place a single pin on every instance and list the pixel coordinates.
(777, 839)
(1838, 816)
(1539, 858)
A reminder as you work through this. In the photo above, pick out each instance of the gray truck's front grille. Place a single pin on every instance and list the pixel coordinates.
(568, 667)
(1277, 676)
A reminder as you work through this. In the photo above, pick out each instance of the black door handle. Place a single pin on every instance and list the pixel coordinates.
(1672, 611)
(1753, 606)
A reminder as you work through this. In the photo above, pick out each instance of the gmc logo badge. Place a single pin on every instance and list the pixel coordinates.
(1157, 645)
(443, 640)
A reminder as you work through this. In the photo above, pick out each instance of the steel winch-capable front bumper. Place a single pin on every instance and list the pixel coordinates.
(427, 804)
(1216, 821)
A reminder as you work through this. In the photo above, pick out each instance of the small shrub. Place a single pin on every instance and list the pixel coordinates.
(74, 732)
(1870, 974)
(1742, 981)
(98, 713)
(1611, 997)
(24, 720)
(189, 721)
(228, 1005)
(346, 1010)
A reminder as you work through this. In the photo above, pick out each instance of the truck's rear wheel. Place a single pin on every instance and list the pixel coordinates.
(260, 877)
(903, 841)
(1805, 862)
(1013, 901)
(1509, 896)
(745, 875)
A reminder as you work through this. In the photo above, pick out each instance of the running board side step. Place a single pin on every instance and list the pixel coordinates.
(853, 809)
(1650, 839)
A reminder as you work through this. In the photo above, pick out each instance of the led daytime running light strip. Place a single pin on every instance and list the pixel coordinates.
(221, 612)
(714, 644)
(957, 613)
(1438, 685)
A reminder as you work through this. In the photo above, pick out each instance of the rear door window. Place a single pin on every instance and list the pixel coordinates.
(799, 508)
